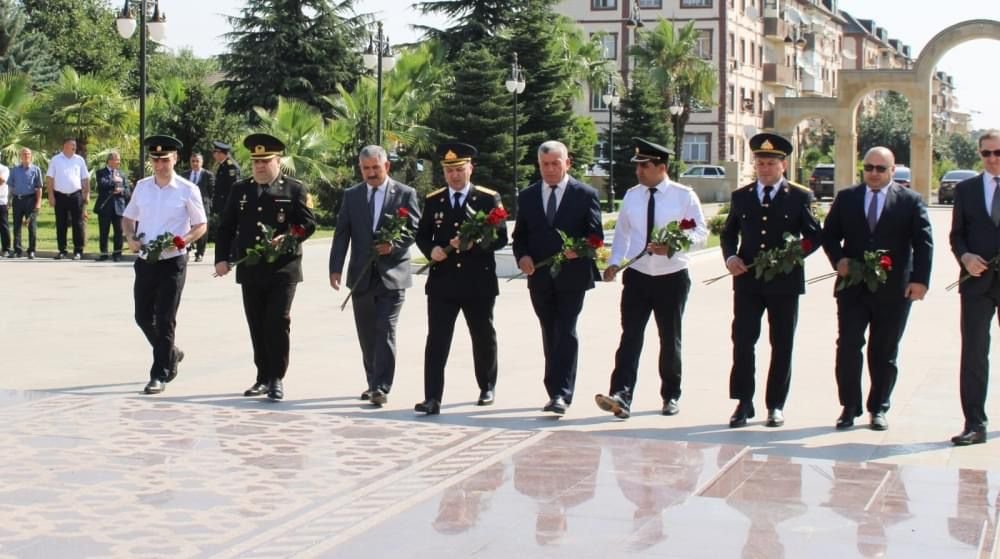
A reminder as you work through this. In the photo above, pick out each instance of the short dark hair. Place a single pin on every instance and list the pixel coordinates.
(992, 134)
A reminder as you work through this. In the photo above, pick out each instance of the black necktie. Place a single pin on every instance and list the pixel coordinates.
(767, 195)
(873, 211)
(194, 177)
(995, 207)
(371, 207)
(550, 206)
(458, 200)
(650, 215)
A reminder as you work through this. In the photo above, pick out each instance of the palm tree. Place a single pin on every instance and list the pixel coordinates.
(309, 140)
(678, 72)
(15, 93)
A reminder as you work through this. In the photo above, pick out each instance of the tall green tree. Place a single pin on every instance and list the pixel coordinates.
(192, 112)
(21, 50)
(15, 95)
(888, 125)
(641, 115)
(474, 21)
(299, 49)
(964, 150)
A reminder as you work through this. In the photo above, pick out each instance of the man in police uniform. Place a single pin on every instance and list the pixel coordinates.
(760, 215)
(227, 173)
(464, 280)
(268, 198)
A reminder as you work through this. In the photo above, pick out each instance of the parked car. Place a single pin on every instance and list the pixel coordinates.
(705, 171)
(821, 180)
(946, 192)
(902, 176)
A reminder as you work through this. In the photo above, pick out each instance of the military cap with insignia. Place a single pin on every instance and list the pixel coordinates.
(770, 145)
(453, 154)
(648, 151)
(221, 146)
(160, 146)
(263, 146)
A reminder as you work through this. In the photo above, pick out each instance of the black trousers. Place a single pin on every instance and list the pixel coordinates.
(69, 213)
(442, 312)
(4, 229)
(24, 207)
(977, 314)
(157, 293)
(664, 297)
(268, 306)
(782, 314)
(106, 223)
(376, 312)
(885, 322)
(557, 313)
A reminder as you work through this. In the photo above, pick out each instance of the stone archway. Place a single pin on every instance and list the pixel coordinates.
(914, 84)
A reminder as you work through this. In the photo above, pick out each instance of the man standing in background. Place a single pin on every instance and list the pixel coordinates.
(112, 195)
(26, 193)
(205, 180)
(68, 184)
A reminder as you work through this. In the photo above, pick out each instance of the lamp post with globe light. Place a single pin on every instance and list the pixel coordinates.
(378, 57)
(611, 100)
(157, 29)
(515, 85)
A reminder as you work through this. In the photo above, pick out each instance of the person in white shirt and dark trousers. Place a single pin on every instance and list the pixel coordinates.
(163, 203)
(4, 226)
(656, 283)
(68, 183)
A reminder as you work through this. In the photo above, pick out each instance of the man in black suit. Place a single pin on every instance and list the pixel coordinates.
(761, 214)
(975, 242)
(278, 201)
(875, 215)
(227, 173)
(464, 280)
(557, 203)
(379, 289)
(113, 192)
(205, 180)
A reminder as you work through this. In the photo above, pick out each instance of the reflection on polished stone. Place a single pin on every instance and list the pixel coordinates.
(129, 476)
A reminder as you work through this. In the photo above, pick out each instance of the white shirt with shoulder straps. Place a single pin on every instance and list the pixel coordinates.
(174, 208)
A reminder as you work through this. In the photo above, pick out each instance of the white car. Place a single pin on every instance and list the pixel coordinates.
(705, 171)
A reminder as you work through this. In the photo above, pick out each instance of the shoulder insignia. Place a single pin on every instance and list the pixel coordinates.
(797, 185)
(232, 172)
(436, 192)
(485, 190)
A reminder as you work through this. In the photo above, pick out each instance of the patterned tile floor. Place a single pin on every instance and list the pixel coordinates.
(127, 476)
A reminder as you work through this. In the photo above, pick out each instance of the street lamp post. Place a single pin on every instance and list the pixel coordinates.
(634, 22)
(157, 28)
(515, 85)
(676, 109)
(611, 99)
(379, 57)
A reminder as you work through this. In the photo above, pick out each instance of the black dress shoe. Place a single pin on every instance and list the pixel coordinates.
(429, 407)
(556, 405)
(379, 398)
(743, 412)
(846, 419)
(775, 418)
(615, 404)
(258, 389)
(969, 436)
(485, 398)
(173, 370)
(116, 258)
(102, 258)
(31, 256)
(879, 422)
(276, 391)
(366, 395)
(670, 407)
(154, 386)
(60, 256)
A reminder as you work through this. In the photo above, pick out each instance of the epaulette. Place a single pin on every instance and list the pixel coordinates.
(485, 190)
(436, 192)
(799, 186)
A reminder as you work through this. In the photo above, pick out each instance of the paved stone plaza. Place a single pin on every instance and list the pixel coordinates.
(94, 468)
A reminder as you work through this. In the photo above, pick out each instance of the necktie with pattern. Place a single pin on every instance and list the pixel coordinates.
(873, 211)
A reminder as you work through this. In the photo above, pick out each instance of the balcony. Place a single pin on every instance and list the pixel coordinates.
(775, 29)
(778, 73)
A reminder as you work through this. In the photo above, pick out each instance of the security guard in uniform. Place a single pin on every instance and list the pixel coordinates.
(463, 280)
(227, 173)
(268, 198)
(760, 215)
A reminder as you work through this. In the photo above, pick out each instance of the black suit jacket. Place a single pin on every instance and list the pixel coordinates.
(747, 231)
(227, 174)
(279, 207)
(578, 216)
(972, 230)
(903, 229)
(206, 184)
(108, 203)
(466, 273)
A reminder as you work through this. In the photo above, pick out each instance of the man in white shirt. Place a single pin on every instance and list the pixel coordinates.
(4, 226)
(68, 184)
(163, 203)
(657, 282)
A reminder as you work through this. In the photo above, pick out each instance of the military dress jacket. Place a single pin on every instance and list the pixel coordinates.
(279, 206)
(465, 273)
(227, 174)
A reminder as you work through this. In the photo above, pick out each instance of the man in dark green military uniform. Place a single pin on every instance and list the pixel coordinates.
(227, 173)
(268, 198)
(463, 279)
(760, 215)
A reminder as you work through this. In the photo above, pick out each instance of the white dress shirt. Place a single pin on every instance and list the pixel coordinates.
(378, 202)
(463, 194)
(68, 173)
(4, 188)
(989, 186)
(674, 202)
(559, 191)
(174, 208)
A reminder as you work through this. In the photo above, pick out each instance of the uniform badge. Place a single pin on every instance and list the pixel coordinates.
(243, 202)
(232, 172)
(281, 215)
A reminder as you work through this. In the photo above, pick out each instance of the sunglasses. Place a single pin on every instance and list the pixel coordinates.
(986, 153)
(877, 168)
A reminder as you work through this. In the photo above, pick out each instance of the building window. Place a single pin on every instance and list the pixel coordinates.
(596, 101)
(753, 53)
(703, 44)
(743, 51)
(695, 148)
(696, 3)
(760, 56)
(609, 45)
(603, 4)
(732, 147)
(651, 4)
(732, 99)
(760, 103)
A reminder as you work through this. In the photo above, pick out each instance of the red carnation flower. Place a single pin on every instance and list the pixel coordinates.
(687, 224)
(885, 262)
(806, 245)
(298, 231)
(403, 212)
(595, 241)
(179, 242)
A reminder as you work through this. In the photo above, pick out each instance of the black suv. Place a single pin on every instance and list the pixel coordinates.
(821, 181)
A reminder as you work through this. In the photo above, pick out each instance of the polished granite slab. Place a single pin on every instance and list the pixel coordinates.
(132, 476)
